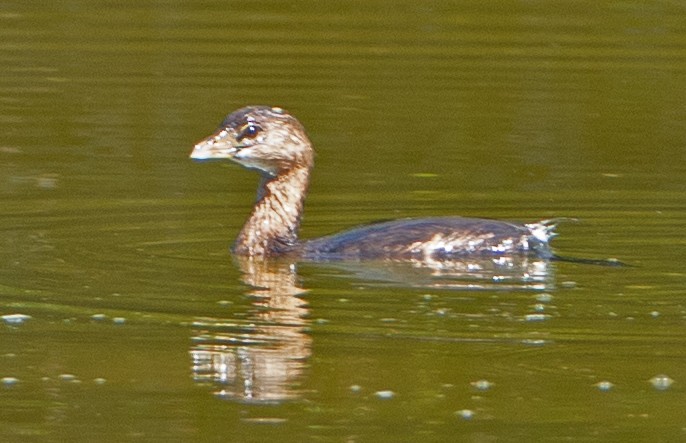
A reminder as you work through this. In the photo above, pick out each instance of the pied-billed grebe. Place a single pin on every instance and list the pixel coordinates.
(274, 143)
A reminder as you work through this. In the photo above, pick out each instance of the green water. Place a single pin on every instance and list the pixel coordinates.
(142, 326)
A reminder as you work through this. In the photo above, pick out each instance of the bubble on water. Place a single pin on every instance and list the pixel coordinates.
(536, 317)
(119, 320)
(265, 420)
(355, 388)
(9, 381)
(99, 381)
(661, 382)
(535, 341)
(604, 385)
(466, 414)
(67, 377)
(482, 385)
(98, 317)
(384, 395)
(15, 319)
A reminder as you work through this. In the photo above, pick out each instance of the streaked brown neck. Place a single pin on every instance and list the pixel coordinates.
(272, 228)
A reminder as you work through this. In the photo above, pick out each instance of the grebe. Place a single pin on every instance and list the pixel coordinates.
(274, 143)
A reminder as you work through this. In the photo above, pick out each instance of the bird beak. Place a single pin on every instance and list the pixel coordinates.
(217, 146)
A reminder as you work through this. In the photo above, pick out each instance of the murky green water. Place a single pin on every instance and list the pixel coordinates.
(142, 327)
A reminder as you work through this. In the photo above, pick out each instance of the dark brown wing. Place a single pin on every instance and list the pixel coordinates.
(436, 238)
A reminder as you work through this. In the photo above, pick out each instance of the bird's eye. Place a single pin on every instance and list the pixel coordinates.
(250, 130)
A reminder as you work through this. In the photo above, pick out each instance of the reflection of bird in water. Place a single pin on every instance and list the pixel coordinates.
(275, 144)
(259, 358)
(506, 273)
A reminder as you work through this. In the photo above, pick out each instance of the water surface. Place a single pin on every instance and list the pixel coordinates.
(143, 327)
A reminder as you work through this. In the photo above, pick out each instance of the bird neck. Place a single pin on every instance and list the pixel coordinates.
(272, 228)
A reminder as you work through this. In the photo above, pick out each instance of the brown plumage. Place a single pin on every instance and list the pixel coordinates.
(274, 143)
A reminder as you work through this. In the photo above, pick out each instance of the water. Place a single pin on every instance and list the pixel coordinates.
(142, 327)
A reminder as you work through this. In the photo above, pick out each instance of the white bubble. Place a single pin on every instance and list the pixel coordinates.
(604, 385)
(385, 395)
(661, 382)
(536, 317)
(466, 414)
(482, 385)
(9, 381)
(15, 319)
